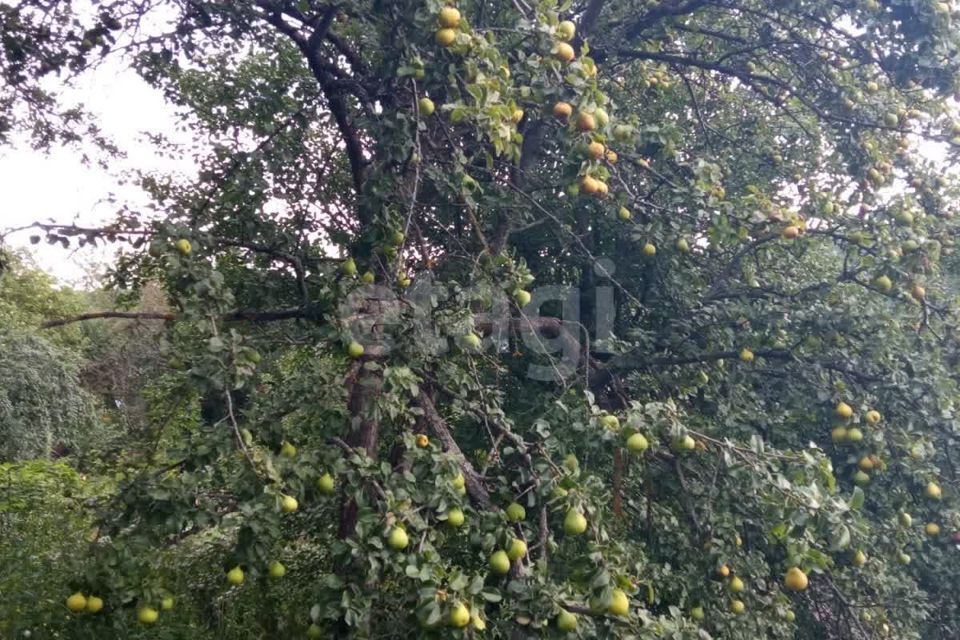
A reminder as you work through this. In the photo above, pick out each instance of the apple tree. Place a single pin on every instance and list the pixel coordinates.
(524, 319)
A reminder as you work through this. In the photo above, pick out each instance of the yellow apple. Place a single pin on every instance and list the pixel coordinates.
(147, 615)
(449, 18)
(795, 579)
(77, 602)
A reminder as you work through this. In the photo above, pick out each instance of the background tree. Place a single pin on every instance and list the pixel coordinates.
(731, 196)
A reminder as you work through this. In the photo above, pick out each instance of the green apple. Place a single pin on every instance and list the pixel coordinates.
(637, 443)
(398, 539)
(471, 341)
(349, 267)
(516, 512)
(566, 621)
(276, 569)
(455, 517)
(147, 615)
(289, 504)
(612, 423)
(77, 602)
(459, 615)
(235, 576)
(517, 549)
(500, 562)
(566, 30)
(426, 109)
(325, 484)
(574, 523)
(355, 349)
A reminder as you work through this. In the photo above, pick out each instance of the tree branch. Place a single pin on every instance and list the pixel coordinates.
(438, 426)
(246, 315)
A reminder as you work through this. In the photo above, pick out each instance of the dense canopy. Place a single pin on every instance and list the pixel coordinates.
(515, 319)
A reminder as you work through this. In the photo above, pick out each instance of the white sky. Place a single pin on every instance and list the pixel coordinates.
(35, 186)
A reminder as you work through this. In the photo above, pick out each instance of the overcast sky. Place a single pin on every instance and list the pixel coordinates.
(38, 186)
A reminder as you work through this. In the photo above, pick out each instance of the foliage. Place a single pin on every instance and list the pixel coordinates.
(738, 212)
(42, 403)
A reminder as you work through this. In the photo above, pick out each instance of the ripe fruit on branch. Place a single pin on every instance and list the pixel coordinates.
(398, 540)
(795, 579)
(446, 37)
(449, 18)
(515, 512)
(589, 185)
(426, 109)
(564, 52)
(736, 584)
(349, 267)
(586, 122)
(147, 615)
(624, 214)
(517, 549)
(872, 416)
(619, 604)
(610, 422)
(562, 110)
(566, 621)
(932, 529)
(566, 30)
(459, 615)
(183, 247)
(325, 484)
(235, 577)
(471, 341)
(649, 249)
(355, 349)
(455, 517)
(684, 443)
(932, 491)
(574, 523)
(276, 570)
(94, 604)
(423, 441)
(289, 504)
(77, 602)
(637, 443)
(746, 355)
(844, 410)
(500, 562)
(595, 150)
(854, 435)
(737, 606)
(521, 297)
(287, 450)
